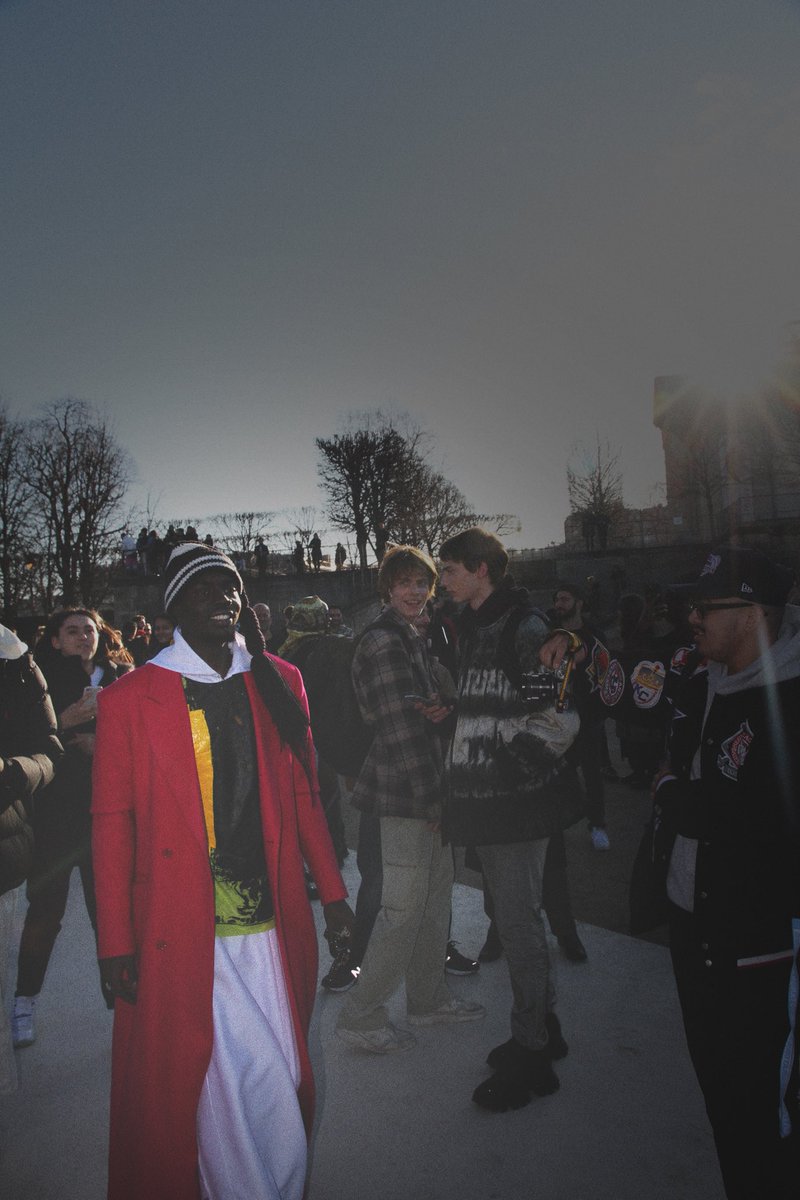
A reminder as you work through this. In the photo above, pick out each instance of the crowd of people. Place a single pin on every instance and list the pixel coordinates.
(189, 747)
(148, 552)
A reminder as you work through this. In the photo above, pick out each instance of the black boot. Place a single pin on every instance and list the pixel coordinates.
(506, 1053)
(523, 1072)
(502, 1092)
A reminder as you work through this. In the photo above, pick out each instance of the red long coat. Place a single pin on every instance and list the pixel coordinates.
(155, 899)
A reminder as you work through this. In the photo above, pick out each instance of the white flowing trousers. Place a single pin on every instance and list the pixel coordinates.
(250, 1134)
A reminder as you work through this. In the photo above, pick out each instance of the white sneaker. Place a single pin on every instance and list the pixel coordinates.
(453, 1009)
(377, 1041)
(23, 1032)
(600, 839)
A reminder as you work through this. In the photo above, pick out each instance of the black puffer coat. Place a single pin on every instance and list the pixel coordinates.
(29, 748)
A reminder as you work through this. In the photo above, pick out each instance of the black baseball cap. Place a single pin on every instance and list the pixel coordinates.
(743, 572)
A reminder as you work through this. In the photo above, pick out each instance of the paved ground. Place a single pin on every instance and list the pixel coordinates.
(627, 1124)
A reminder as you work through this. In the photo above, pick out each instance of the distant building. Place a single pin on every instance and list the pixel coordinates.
(732, 468)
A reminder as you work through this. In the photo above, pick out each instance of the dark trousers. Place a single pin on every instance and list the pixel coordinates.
(590, 745)
(331, 802)
(737, 1024)
(62, 832)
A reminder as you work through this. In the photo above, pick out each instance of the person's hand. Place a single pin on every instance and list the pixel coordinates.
(339, 917)
(119, 978)
(553, 651)
(433, 709)
(79, 713)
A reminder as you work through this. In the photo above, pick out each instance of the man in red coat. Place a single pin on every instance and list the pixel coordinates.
(205, 806)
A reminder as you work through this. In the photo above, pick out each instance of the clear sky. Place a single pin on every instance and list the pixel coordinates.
(230, 222)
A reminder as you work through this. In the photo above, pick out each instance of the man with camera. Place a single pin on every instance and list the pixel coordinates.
(508, 782)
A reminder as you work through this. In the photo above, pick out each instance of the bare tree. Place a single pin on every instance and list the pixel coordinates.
(595, 491)
(367, 473)
(301, 523)
(380, 487)
(437, 510)
(17, 558)
(241, 531)
(79, 475)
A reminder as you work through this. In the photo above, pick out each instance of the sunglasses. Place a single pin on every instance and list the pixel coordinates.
(703, 607)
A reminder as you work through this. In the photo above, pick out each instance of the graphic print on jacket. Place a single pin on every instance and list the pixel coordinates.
(508, 771)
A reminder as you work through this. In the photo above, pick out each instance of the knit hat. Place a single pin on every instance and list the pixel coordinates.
(310, 615)
(186, 561)
(740, 571)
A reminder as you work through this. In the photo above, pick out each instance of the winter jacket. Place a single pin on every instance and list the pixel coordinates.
(509, 779)
(402, 773)
(29, 747)
(732, 804)
(71, 789)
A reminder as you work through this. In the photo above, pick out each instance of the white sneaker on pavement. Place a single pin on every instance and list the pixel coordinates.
(377, 1041)
(453, 1009)
(23, 1032)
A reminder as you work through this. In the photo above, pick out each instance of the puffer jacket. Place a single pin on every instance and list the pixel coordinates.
(29, 748)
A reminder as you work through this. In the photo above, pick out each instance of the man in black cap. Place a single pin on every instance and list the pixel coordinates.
(727, 811)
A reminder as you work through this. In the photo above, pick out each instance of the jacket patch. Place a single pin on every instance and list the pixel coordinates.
(733, 751)
(597, 668)
(647, 683)
(614, 684)
(679, 659)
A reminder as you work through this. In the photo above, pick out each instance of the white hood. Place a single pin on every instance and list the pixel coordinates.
(779, 662)
(10, 645)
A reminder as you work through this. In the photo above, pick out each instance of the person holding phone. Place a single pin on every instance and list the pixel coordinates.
(78, 655)
(401, 783)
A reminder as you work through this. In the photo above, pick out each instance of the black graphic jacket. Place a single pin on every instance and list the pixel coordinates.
(509, 775)
(730, 813)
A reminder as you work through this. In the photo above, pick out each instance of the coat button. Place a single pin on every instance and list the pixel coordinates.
(161, 944)
(704, 945)
(708, 962)
(704, 895)
(167, 853)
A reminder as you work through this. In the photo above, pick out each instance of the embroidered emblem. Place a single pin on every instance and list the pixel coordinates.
(647, 683)
(678, 661)
(711, 564)
(734, 750)
(614, 684)
(597, 669)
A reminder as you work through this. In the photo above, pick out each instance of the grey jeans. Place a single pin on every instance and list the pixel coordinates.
(513, 874)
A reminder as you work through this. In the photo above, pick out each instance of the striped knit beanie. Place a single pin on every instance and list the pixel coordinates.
(186, 561)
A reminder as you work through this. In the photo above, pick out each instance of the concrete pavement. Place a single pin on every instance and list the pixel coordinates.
(627, 1124)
